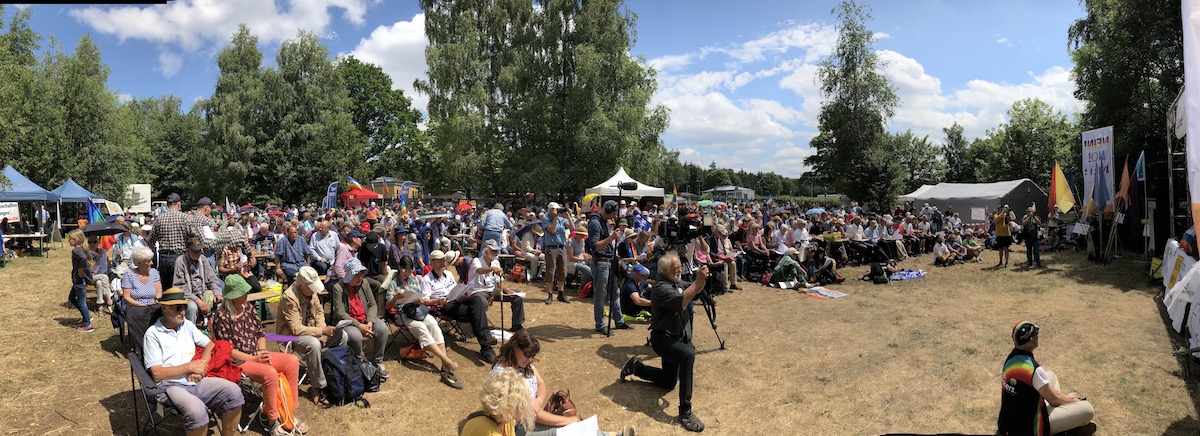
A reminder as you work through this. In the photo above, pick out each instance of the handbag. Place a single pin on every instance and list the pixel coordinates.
(560, 403)
(415, 311)
(413, 351)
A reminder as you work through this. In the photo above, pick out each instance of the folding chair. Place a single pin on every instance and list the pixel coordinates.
(401, 332)
(285, 345)
(247, 385)
(138, 375)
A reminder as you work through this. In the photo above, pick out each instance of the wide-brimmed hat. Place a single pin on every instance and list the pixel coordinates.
(629, 233)
(538, 230)
(353, 267)
(235, 287)
(581, 231)
(437, 255)
(792, 251)
(172, 297)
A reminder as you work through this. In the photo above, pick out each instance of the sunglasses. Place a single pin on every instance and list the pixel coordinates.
(175, 306)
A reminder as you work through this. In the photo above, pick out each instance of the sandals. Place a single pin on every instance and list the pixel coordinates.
(277, 430)
(300, 426)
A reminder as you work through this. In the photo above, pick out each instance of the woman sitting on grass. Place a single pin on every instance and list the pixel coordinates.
(505, 399)
(517, 354)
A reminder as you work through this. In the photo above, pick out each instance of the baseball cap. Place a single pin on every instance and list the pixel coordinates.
(195, 243)
(235, 286)
(553, 205)
(610, 206)
(1023, 332)
(204, 201)
(309, 276)
(356, 233)
(437, 255)
(641, 269)
(491, 244)
(372, 239)
(174, 198)
(792, 251)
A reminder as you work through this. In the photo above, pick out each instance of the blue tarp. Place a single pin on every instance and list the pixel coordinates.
(71, 192)
(20, 188)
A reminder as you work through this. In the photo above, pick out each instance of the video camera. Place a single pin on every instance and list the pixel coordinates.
(685, 226)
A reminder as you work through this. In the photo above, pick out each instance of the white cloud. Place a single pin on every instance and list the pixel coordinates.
(1003, 41)
(712, 120)
(125, 98)
(169, 63)
(670, 62)
(816, 40)
(399, 50)
(788, 160)
(195, 25)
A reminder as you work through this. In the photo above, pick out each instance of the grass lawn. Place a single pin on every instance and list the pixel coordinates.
(920, 356)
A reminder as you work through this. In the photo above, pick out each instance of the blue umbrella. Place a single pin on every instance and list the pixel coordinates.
(521, 233)
(817, 210)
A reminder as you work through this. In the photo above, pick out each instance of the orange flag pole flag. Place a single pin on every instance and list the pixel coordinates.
(1121, 200)
(1060, 192)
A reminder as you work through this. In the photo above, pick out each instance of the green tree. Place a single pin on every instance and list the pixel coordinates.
(851, 151)
(959, 167)
(1027, 146)
(174, 141)
(919, 163)
(1128, 57)
(386, 120)
(316, 135)
(18, 68)
(717, 177)
(241, 163)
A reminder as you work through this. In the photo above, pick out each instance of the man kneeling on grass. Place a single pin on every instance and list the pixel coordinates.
(169, 346)
(1031, 402)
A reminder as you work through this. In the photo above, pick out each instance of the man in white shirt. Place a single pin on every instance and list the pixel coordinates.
(168, 349)
(942, 256)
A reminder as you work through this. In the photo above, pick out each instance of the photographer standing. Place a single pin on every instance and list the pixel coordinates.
(671, 336)
(1033, 249)
(599, 244)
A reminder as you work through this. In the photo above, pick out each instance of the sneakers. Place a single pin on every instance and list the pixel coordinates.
(623, 326)
(383, 374)
(562, 296)
(516, 328)
(627, 431)
(86, 328)
(449, 379)
(549, 299)
(630, 367)
(488, 341)
(604, 331)
(690, 422)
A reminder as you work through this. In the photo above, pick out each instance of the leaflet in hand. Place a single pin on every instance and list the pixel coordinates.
(457, 292)
(587, 427)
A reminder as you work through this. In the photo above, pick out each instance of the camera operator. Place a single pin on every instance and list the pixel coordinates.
(599, 244)
(1030, 225)
(671, 335)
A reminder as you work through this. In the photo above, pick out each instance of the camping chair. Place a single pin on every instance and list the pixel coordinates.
(139, 375)
(401, 331)
(248, 386)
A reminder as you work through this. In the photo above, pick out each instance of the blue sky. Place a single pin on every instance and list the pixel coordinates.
(738, 77)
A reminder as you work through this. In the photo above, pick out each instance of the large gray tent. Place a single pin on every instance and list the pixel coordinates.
(973, 201)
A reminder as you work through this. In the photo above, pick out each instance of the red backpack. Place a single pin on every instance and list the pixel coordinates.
(586, 290)
(518, 273)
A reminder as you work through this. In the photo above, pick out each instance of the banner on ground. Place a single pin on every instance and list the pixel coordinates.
(1097, 158)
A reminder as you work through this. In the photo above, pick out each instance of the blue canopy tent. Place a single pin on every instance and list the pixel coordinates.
(20, 188)
(71, 192)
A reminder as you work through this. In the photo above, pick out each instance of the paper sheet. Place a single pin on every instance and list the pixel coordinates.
(587, 427)
(457, 292)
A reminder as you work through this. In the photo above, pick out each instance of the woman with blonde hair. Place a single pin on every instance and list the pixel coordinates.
(82, 261)
(505, 400)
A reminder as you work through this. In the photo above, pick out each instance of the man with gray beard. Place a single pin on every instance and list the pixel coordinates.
(671, 336)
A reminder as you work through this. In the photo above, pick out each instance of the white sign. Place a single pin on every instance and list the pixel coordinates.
(9, 210)
(1081, 228)
(978, 214)
(139, 198)
(1097, 157)
(1120, 218)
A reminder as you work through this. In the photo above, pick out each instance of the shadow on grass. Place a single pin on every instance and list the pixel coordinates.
(1188, 366)
(1185, 426)
(1124, 274)
(124, 420)
(617, 356)
(641, 397)
(552, 333)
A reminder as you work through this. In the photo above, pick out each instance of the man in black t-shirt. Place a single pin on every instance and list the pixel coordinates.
(374, 256)
(671, 336)
(1030, 402)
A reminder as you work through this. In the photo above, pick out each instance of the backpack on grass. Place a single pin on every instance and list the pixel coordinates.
(343, 376)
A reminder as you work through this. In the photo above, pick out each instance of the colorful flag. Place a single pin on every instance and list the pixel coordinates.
(1121, 200)
(353, 183)
(1060, 194)
(1140, 167)
(675, 192)
(404, 199)
(770, 200)
(1100, 197)
(95, 216)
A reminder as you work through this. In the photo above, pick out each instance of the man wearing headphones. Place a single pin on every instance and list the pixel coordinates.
(599, 244)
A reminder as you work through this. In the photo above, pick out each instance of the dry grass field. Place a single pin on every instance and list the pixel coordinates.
(921, 356)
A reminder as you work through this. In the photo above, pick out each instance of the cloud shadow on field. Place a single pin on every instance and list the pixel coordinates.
(1123, 274)
(1185, 426)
